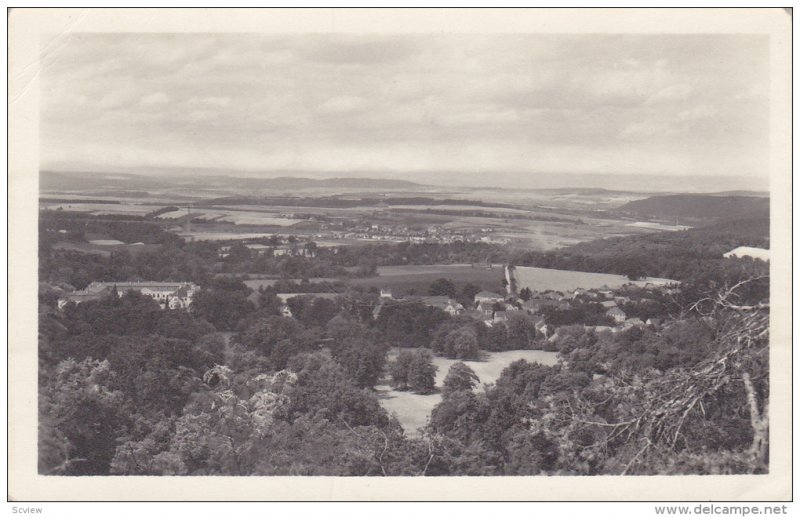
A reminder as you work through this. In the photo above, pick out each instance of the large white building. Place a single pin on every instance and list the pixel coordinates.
(172, 295)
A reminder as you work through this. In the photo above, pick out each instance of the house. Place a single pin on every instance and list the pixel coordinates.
(172, 295)
(444, 303)
(454, 308)
(536, 305)
(474, 314)
(486, 308)
(554, 295)
(386, 293)
(541, 326)
(633, 322)
(500, 316)
(617, 314)
(582, 292)
(81, 296)
(599, 328)
(654, 322)
(486, 296)
(285, 311)
(258, 249)
(608, 304)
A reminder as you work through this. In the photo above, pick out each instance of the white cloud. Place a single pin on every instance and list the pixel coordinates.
(406, 102)
(673, 92)
(154, 99)
(343, 104)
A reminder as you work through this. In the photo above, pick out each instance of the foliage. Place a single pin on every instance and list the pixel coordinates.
(414, 370)
(442, 287)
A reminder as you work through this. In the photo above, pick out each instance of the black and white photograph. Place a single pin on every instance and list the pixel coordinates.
(368, 253)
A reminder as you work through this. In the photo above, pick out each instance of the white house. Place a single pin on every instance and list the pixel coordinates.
(486, 296)
(616, 313)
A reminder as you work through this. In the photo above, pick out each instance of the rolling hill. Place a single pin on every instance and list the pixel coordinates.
(698, 206)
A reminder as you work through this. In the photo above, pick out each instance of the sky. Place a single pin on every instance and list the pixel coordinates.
(409, 106)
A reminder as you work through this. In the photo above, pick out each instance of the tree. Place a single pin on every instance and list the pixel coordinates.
(363, 360)
(525, 294)
(82, 417)
(461, 343)
(422, 372)
(265, 333)
(442, 287)
(414, 370)
(324, 386)
(409, 324)
(468, 293)
(223, 308)
(521, 331)
(460, 377)
(398, 369)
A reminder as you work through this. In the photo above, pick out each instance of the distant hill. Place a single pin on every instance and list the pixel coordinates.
(708, 241)
(51, 180)
(292, 183)
(699, 206)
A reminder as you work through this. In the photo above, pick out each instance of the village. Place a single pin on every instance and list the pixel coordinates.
(487, 307)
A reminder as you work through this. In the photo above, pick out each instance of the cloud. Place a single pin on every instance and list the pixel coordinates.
(409, 102)
(154, 99)
(343, 104)
(216, 102)
(675, 92)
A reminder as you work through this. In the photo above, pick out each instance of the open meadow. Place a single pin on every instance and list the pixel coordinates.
(404, 280)
(413, 410)
(542, 279)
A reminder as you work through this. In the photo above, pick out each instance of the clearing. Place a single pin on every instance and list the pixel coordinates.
(413, 410)
(541, 279)
(403, 280)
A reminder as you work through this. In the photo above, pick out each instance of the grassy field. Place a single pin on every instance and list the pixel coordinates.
(541, 279)
(255, 283)
(404, 280)
(413, 410)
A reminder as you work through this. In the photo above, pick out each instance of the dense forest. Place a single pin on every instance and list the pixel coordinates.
(678, 255)
(232, 388)
(699, 206)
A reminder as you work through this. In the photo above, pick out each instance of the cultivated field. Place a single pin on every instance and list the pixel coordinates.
(541, 279)
(403, 280)
(102, 208)
(413, 410)
(232, 216)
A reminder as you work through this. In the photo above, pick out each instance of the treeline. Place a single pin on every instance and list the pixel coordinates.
(74, 226)
(675, 255)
